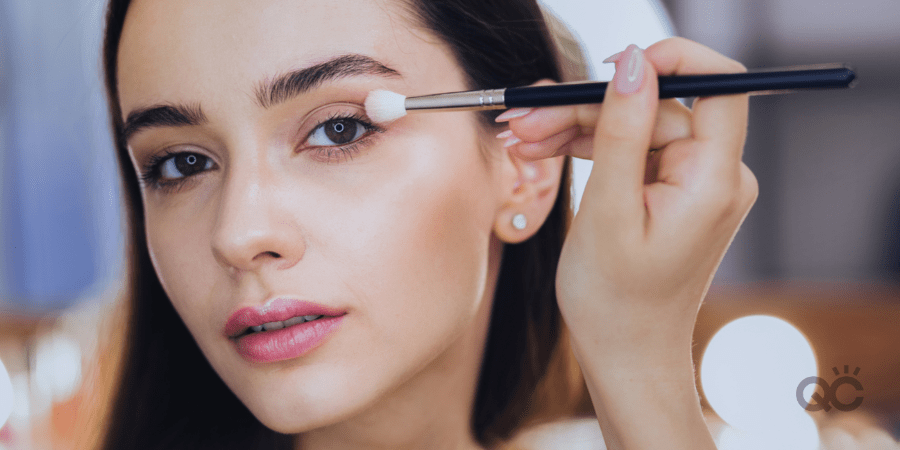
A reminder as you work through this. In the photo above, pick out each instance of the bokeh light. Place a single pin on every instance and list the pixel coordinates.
(57, 368)
(6, 395)
(749, 375)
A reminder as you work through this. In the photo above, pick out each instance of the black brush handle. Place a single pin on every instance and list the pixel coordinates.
(777, 81)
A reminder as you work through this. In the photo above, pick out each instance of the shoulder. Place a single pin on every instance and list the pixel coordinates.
(569, 434)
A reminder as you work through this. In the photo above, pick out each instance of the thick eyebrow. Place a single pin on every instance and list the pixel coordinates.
(162, 116)
(268, 93)
(299, 81)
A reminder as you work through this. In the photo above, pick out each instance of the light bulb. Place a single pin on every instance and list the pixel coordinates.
(751, 370)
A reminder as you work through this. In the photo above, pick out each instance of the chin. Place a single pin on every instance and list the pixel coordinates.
(294, 422)
(298, 413)
(285, 427)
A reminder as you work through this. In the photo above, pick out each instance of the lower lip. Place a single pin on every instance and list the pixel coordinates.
(286, 343)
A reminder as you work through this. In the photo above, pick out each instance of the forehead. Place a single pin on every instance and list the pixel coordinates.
(185, 50)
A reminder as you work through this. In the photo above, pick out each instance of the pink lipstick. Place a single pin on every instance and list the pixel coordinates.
(282, 329)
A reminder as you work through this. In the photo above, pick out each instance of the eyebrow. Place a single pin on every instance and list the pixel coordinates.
(162, 116)
(297, 82)
(268, 93)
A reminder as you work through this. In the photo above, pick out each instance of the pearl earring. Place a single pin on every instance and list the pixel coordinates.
(519, 221)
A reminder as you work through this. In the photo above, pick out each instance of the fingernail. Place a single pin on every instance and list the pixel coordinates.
(613, 58)
(504, 134)
(511, 141)
(512, 114)
(630, 70)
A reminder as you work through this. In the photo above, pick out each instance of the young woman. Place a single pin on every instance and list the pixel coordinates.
(453, 299)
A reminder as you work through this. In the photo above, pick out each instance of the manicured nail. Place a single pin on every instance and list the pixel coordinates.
(630, 70)
(504, 134)
(613, 58)
(511, 141)
(512, 114)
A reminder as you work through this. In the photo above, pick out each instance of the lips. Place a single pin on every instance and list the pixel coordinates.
(278, 310)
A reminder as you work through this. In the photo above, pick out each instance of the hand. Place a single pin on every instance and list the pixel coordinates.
(652, 227)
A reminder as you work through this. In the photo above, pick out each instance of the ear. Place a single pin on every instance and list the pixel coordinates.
(530, 189)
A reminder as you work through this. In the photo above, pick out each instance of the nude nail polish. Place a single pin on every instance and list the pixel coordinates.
(512, 114)
(511, 141)
(630, 70)
(613, 58)
(505, 134)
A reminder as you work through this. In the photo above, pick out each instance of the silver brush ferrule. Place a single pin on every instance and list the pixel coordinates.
(459, 101)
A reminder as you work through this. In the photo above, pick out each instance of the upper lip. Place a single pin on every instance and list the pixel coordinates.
(276, 310)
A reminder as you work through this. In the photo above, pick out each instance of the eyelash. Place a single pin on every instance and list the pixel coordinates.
(150, 173)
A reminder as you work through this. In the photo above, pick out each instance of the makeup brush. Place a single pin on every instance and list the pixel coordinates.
(385, 106)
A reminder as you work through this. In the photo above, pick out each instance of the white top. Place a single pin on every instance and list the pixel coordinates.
(573, 434)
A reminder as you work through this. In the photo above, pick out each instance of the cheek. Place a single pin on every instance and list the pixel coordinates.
(422, 235)
(183, 262)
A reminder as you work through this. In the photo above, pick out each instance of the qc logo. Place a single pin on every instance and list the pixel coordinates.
(829, 399)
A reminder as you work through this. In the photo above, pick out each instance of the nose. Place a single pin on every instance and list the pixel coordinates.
(253, 231)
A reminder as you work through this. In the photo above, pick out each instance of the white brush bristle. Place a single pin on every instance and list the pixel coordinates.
(385, 106)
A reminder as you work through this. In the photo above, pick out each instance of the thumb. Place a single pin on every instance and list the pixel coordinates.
(622, 140)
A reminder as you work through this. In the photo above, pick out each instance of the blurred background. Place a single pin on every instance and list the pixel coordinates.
(812, 278)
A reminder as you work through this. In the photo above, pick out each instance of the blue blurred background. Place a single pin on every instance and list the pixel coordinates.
(60, 233)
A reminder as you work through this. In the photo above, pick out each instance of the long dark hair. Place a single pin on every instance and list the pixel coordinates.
(166, 394)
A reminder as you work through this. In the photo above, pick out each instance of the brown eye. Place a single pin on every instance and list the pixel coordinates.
(337, 132)
(181, 165)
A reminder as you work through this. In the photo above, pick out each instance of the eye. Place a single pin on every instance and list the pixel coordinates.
(338, 131)
(171, 169)
(183, 165)
(335, 133)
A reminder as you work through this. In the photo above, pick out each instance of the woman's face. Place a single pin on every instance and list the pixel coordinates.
(266, 190)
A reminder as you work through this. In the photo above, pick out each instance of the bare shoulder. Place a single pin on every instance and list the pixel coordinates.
(569, 434)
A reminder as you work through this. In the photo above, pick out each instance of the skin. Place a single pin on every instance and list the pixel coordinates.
(407, 235)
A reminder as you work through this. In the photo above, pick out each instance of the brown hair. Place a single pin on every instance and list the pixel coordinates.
(167, 395)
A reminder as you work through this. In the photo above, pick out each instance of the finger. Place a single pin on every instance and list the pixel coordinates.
(580, 147)
(541, 129)
(677, 168)
(542, 123)
(674, 121)
(680, 56)
(721, 119)
(537, 124)
(546, 148)
(622, 139)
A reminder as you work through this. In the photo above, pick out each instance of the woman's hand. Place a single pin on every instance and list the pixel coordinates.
(650, 232)
(652, 226)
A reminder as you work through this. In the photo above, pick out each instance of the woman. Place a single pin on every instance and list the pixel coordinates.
(428, 254)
